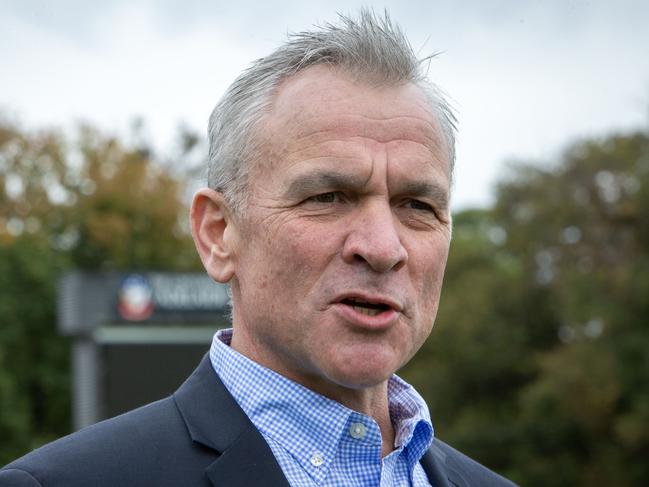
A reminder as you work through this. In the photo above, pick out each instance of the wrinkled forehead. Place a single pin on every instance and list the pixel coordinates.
(321, 100)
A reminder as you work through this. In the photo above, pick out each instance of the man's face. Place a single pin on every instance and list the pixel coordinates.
(340, 254)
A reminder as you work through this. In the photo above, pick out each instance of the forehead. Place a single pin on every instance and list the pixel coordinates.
(322, 109)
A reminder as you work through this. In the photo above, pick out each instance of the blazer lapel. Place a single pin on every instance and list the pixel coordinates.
(214, 419)
(434, 461)
(243, 464)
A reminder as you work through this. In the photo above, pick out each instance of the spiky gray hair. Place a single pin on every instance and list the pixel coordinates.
(371, 48)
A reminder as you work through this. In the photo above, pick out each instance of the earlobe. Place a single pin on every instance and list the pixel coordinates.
(213, 232)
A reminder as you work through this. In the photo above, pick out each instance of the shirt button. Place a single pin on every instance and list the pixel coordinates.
(357, 431)
(317, 459)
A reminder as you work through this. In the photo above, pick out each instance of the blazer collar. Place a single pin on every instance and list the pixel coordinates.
(214, 419)
(434, 463)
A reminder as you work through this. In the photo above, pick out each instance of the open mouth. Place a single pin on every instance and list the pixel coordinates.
(363, 307)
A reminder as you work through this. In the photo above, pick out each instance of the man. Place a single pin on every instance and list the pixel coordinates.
(327, 213)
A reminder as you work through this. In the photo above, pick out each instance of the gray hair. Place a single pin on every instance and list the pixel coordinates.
(372, 48)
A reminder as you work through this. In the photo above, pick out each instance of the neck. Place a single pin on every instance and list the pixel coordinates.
(371, 401)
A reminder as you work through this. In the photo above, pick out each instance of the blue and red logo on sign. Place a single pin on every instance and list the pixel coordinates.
(135, 298)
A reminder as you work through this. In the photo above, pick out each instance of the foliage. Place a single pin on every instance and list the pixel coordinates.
(34, 384)
(538, 364)
(84, 202)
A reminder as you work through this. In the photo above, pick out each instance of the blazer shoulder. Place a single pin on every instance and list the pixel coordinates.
(147, 439)
(464, 471)
(13, 477)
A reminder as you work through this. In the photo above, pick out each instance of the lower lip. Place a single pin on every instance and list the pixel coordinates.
(380, 321)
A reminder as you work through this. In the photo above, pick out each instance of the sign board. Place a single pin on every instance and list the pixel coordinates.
(137, 335)
(90, 300)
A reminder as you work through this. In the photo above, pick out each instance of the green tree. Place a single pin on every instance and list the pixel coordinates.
(581, 229)
(478, 357)
(87, 201)
(538, 364)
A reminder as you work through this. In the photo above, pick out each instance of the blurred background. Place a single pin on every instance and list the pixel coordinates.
(538, 365)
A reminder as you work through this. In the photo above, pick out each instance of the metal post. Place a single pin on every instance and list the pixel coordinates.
(85, 389)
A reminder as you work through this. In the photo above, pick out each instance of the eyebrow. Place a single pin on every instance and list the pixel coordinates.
(316, 181)
(432, 191)
(324, 180)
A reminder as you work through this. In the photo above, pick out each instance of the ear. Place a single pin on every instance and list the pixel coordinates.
(214, 233)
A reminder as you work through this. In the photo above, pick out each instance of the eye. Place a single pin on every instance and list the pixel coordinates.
(330, 197)
(419, 205)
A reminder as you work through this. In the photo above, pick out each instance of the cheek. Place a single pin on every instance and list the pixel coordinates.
(285, 262)
(430, 274)
(305, 247)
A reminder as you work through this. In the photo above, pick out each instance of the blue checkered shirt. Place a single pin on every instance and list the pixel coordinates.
(318, 441)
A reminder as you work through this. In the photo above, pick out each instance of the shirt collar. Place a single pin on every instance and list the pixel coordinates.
(306, 423)
(411, 419)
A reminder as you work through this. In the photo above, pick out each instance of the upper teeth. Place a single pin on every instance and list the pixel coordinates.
(367, 311)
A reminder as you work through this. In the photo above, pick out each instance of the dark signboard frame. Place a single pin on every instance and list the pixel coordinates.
(124, 321)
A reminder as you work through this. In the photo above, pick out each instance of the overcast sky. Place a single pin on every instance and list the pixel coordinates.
(526, 77)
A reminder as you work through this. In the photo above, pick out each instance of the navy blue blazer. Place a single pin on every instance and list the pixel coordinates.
(199, 436)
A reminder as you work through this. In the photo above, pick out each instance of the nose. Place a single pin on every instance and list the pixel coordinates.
(374, 239)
